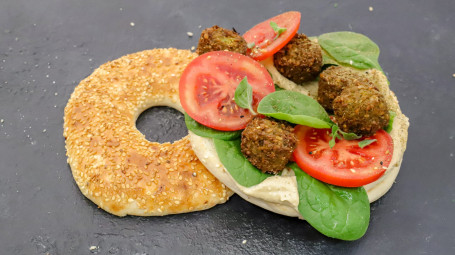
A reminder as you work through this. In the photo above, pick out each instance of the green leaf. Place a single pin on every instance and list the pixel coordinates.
(350, 49)
(204, 131)
(337, 212)
(365, 143)
(389, 127)
(244, 95)
(278, 88)
(296, 108)
(243, 172)
(334, 135)
(349, 136)
(278, 30)
(328, 60)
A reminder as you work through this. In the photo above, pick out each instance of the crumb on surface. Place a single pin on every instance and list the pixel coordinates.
(370, 8)
(190, 34)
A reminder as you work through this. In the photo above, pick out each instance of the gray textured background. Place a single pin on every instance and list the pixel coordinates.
(48, 46)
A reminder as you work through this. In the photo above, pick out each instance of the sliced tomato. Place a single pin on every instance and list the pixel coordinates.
(208, 84)
(264, 37)
(346, 164)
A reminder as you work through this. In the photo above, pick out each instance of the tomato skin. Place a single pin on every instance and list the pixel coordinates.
(346, 164)
(262, 32)
(208, 84)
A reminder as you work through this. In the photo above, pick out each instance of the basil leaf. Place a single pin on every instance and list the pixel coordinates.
(333, 135)
(349, 136)
(278, 30)
(243, 172)
(337, 212)
(351, 49)
(244, 95)
(389, 127)
(204, 131)
(365, 143)
(296, 108)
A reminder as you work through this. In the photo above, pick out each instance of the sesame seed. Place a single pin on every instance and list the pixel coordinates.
(132, 24)
(105, 150)
(190, 34)
(244, 242)
(370, 8)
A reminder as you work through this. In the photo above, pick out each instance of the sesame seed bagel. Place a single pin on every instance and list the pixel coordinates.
(112, 162)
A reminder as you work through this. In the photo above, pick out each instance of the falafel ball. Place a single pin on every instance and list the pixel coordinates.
(332, 81)
(268, 143)
(300, 60)
(217, 38)
(361, 109)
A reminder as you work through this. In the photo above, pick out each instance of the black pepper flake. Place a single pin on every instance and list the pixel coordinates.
(241, 116)
(310, 152)
(381, 163)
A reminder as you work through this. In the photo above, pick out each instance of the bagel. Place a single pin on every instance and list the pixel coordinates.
(279, 193)
(112, 162)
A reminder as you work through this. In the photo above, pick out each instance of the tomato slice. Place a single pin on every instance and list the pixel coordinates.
(263, 35)
(346, 164)
(208, 84)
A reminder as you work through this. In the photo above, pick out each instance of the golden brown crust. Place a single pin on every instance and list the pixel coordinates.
(112, 162)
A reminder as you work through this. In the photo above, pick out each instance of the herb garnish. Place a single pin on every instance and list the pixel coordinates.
(336, 131)
(365, 143)
(278, 30)
(244, 95)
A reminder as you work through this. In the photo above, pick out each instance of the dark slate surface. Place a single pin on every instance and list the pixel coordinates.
(48, 46)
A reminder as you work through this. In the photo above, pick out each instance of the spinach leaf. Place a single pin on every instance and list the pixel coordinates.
(389, 127)
(296, 108)
(364, 143)
(237, 165)
(327, 59)
(244, 95)
(204, 131)
(337, 212)
(351, 49)
(278, 88)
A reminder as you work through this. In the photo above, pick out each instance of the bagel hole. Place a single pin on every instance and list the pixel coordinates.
(162, 124)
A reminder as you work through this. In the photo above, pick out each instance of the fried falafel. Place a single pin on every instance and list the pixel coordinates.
(332, 81)
(300, 60)
(217, 38)
(361, 109)
(268, 143)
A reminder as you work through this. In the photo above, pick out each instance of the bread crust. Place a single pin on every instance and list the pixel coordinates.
(112, 162)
